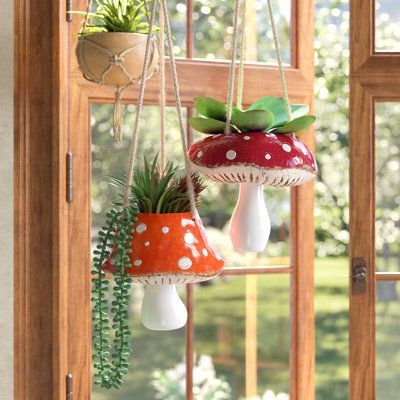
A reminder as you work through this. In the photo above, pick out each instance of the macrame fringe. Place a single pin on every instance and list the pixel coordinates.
(118, 116)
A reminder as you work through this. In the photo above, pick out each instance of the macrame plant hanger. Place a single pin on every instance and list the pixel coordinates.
(239, 35)
(114, 60)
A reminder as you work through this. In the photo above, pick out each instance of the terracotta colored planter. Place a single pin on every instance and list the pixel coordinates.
(114, 58)
(169, 249)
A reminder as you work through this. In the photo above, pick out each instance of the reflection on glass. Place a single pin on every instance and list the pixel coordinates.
(387, 340)
(213, 29)
(387, 145)
(243, 324)
(387, 25)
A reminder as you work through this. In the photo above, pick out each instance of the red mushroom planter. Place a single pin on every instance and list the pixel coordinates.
(253, 160)
(168, 249)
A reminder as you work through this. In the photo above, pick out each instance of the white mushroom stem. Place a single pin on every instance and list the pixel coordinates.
(162, 308)
(250, 224)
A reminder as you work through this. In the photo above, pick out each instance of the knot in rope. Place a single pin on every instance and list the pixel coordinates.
(116, 59)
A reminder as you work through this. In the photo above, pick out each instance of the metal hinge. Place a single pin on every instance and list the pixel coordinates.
(69, 9)
(70, 177)
(359, 275)
(69, 387)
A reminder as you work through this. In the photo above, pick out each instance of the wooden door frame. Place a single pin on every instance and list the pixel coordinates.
(40, 226)
(46, 84)
(373, 77)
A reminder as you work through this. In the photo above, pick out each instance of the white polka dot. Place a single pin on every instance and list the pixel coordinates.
(146, 243)
(286, 147)
(184, 263)
(231, 154)
(188, 238)
(141, 228)
(137, 263)
(246, 137)
(199, 154)
(205, 252)
(268, 156)
(165, 229)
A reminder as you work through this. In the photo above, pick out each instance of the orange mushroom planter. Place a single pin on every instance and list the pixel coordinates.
(168, 249)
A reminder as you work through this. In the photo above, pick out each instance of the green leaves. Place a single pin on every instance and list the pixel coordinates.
(276, 105)
(207, 125)
(252, 120)
(297, 125)
(265, 115)
(119, 16)
(117, 232)
(210, 108)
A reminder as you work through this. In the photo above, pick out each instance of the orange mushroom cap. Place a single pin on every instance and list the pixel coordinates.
(170, 249)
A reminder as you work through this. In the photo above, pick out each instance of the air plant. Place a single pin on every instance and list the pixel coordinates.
(267, 114)
(156, 191)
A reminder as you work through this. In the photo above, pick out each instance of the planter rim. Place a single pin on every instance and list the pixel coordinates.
(114, 34)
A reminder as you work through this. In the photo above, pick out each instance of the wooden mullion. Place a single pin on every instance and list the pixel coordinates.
(233, 271)
(189, 342)
(387, 276)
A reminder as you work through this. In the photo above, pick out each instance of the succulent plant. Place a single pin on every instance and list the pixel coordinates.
(158, 191)
(118, 16)
(267, 114)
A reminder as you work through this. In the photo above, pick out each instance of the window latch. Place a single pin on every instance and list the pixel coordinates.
(359, 275)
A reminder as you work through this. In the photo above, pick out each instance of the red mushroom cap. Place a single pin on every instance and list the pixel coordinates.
(170, 249)
(264, 158)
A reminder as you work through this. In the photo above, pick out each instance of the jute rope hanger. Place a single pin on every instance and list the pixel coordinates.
(240, 7)
(114, 61)
(133, 149)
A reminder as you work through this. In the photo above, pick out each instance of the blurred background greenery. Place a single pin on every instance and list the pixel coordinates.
(220, 306)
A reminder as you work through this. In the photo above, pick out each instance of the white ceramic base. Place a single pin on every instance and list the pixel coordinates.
(162, 308)
(250, 225)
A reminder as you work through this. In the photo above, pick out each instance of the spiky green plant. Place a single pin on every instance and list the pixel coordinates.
(160, 192)
(129, 16)
(265, 115)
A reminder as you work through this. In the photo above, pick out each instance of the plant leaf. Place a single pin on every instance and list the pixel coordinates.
(207, 125)
(277, 106)
(252, 120)
(210, 108)
(297, 125)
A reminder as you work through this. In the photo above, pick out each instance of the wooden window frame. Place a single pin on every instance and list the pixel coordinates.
(374, 78)
(52, 102)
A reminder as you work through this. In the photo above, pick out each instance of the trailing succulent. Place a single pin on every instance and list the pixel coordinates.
(267, 114)
(152, 191)
(115, 235)
(118, 16)
(160, 192)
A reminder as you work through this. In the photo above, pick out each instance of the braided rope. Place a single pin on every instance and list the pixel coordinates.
(232, 67)
(278, 57)
(188, 167)
(239, 98)
(132, 154)
(162, 89)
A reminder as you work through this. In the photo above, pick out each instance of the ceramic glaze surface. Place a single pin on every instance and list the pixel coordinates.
(171, 245)
(250, 225)
(162, 308)
(258, 150)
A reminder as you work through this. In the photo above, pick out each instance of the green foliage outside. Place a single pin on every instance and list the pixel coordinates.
(153, 350)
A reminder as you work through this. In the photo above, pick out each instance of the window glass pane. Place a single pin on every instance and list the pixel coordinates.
(387, 145)
(213, 29)
(387, 340)
(242, 323)
(387, 25)
(177, 15)
(151, 350)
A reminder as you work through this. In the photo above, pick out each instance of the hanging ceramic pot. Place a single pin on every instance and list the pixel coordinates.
(260, 150)
(115, 58)
(167, 250)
